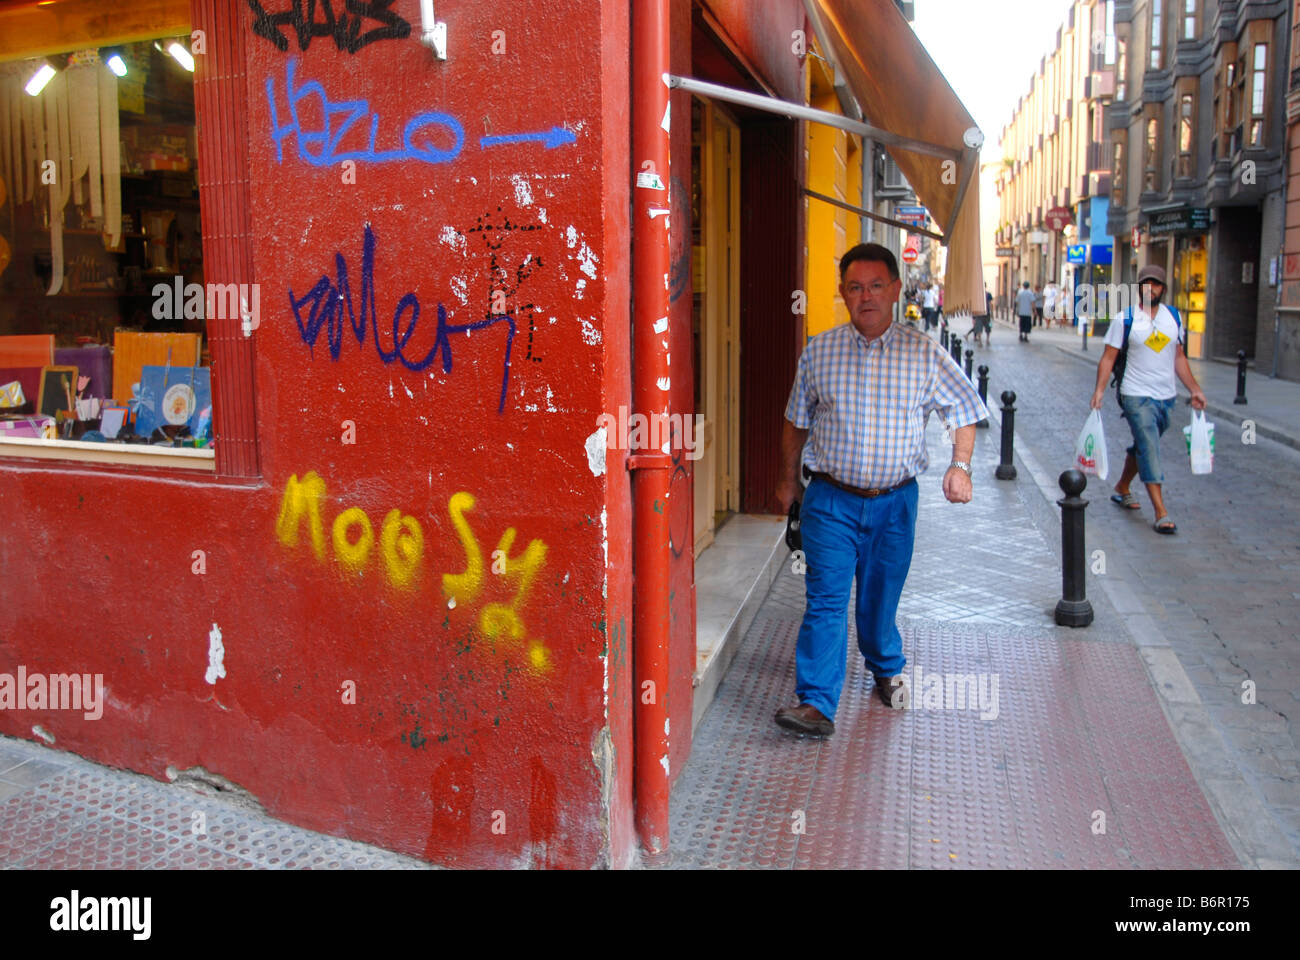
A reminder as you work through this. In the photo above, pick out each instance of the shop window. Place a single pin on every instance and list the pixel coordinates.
(103, 353)
(1259, 76)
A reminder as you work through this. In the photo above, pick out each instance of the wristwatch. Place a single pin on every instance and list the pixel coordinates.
(961, 465)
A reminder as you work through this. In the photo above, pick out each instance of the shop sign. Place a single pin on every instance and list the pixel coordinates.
(1006, 251)
(1076, 253)
(912, 216)
(1037, 236)
(1058, 218)
(1187, 218)
(1137, 237)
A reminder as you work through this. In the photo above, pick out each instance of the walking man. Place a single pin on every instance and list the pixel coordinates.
(1025, 310)
(930, 305)
(861, 397)
(1152, 348)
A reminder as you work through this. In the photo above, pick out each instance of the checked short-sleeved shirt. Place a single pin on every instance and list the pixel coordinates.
(866, 402)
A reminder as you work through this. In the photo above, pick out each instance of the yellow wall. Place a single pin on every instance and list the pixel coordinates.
(834, 169)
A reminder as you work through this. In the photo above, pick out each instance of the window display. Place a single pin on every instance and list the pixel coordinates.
(99, 210)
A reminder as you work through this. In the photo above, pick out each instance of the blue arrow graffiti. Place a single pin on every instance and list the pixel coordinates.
(552, 138)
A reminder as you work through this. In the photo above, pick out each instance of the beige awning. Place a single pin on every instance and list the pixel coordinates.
(900, 89)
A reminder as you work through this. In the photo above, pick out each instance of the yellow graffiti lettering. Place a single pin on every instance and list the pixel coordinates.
(302, 498)
(353, 556)
(503, 618)
(401, 544)
(464, 587)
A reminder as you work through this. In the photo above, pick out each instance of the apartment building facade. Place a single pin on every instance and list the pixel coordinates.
(1054, 183)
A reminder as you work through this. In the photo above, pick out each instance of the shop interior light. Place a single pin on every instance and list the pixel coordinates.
(39, 79)
(181, 55)
(116, 64)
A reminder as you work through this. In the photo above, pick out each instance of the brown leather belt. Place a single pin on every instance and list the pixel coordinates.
(862, 491)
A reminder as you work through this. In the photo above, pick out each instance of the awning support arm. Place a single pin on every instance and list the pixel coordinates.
(873, 216)
(758, 101)
(969, 164)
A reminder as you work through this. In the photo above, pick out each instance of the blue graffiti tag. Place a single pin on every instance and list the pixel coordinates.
(320, 147)
(329, 300)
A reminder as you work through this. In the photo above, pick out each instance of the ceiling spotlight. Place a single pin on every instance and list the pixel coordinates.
(39, 79)
(116, 64)
(181, 55)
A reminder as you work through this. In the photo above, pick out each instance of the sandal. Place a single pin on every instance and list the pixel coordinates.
(1128, 501)
(1165, 525)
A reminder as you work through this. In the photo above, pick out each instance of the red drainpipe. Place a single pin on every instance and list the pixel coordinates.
(650, 396)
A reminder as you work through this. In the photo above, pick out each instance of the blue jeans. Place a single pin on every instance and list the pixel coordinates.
(1148, 418)
(848, 538)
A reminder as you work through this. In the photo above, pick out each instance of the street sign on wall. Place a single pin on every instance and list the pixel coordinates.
(1058, 218)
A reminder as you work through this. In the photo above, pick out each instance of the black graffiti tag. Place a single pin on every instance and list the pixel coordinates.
(344, 28)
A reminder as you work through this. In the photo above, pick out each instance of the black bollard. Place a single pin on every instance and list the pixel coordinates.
(1241, 377)
(1006, 469)
(943, 336)
(970, 359)
(1074, 610)
(984, 394)
(1083, 324)
(956, 349)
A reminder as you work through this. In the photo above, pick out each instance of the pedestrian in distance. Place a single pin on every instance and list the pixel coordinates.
(1038, 305)
(983, 324)
(1144, 348)
(1025, 311)
(856, 420)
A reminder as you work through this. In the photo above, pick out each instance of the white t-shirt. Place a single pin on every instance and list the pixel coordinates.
(931, 300)
(1150, 372)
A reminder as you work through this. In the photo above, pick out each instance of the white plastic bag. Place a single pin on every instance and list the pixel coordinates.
(1090, 449)
(1201, 450)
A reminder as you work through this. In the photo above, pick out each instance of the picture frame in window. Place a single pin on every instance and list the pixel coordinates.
(58, 390)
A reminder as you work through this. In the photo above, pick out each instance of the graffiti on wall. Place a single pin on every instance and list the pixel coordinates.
(329, 303)
(316, 18)
(350, 129)
(399, 550)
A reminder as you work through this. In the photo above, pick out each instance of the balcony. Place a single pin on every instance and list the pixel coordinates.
(1102, 84)
(1097, 157)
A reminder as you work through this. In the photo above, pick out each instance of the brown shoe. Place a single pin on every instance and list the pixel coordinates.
(805, 718)
(893, 692)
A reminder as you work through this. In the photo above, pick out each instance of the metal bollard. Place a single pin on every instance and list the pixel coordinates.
(1006, 469)
(943, 336)
(956, 349)
(1241, 377)
(1083, 324)
(984, 394)
(1074, 610)
(970, 359)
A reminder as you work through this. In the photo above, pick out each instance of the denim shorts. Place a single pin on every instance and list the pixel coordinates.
(1148, 418)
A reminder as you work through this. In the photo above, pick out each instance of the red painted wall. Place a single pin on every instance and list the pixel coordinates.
(488, 729)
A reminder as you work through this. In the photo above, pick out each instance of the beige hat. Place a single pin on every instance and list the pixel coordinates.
(1152, 272)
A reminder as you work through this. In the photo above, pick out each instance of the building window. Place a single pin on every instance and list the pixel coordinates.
(1257, 95)
(1189, 20)
(1157, 32)
(1109, 50)
(1117, 173)
(1185, 135)
(1153, 153)
(1121, 69)
(102, 309)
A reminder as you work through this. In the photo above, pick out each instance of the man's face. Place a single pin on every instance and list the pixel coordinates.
(1153, 292)
(870, 295)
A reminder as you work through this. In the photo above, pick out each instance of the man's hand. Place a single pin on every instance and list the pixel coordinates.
(787, 491)
(957, 486)
(1097, 398)
(1198, 400)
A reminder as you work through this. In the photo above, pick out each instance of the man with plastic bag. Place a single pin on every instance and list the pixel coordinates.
(1144, 347)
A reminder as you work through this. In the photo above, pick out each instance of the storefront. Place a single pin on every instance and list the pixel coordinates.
(1180, 241)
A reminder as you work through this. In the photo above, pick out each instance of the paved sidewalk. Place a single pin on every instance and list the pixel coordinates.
(60, 812)
(1077, 741)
